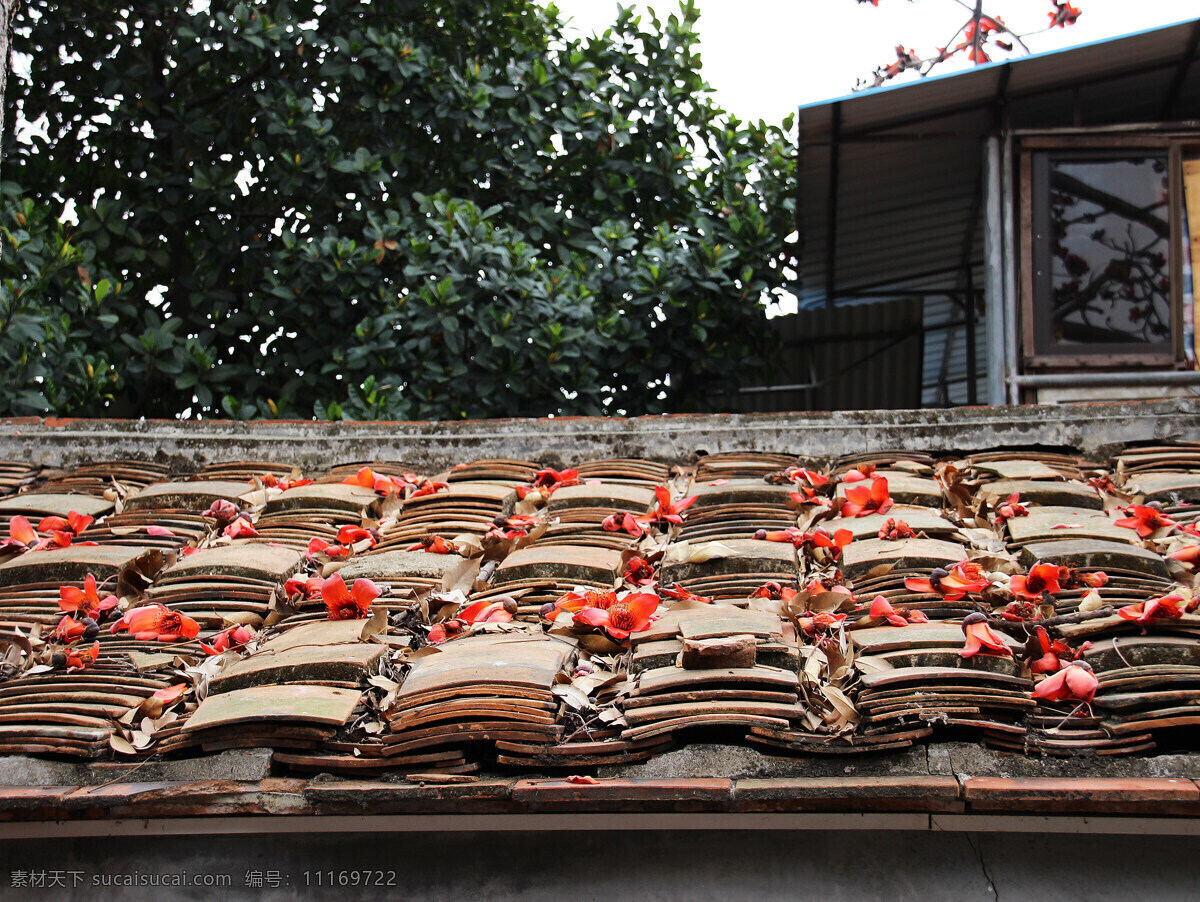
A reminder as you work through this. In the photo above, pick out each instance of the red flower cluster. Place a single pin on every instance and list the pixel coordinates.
(881, 608)
(502, 610)
(953, 584)
(893, 530)
(618, 617)
(1145, 518)
(861, 501)
(982, 638)
(352, 603)
(157, 622)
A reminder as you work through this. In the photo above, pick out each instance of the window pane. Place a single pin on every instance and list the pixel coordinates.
(1109, 244)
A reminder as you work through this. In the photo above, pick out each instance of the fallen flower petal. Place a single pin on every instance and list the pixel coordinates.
(348, 604)
(981, 638)
(157, 622)
(1075, 682)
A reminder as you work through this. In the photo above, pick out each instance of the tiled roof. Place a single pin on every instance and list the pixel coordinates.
(759, 630)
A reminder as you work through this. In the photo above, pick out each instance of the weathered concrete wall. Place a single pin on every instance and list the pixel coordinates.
(688, 866)
(185, 446)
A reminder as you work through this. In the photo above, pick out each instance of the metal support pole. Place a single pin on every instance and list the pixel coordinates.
(1068, 380)
(1008, 196)
(995, 315)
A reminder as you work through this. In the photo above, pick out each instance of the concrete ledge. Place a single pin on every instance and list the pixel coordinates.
(322, 799)
(187, 446)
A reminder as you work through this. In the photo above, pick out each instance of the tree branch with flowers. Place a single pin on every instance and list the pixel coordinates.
(977, 38)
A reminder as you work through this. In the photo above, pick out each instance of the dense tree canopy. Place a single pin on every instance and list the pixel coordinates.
(388, 209)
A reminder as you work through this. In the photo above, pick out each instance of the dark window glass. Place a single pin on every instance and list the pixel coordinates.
(1102, 258)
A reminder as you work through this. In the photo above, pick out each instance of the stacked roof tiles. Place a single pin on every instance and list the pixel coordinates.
(504, 615)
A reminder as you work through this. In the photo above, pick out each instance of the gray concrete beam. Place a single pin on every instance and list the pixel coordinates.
(186, 446)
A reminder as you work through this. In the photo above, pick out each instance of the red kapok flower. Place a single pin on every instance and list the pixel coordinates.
(224, 512)
(775, 592)
(665, 511)
(1145, 518)
(552, 479)
(241, 528)
(577, 601)
(1075, 682)
(352, 535)
(952, 584)
(638, 572)
(66, 529)
(157, 622)
(632, 614)
(858, 474)
(231, 637)
(427, 487)
(308, 588)
(434, 545)
(502, 610)
(679, 592)
(814, 479)
(85, 602)
(1010, 508)
(894, 530)
(82, 658)
(1041, 578)
(1187, 555)
(366, 478)
(861, 501)
(623, 522)
(21, 536)
(981, 638)
(320, 546)
(839, 540)
(882, 608)
(71, 630)
(1064, 14)
(1168, 607)
(348, 604)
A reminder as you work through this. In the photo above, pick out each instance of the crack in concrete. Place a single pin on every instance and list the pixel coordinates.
(977, 847)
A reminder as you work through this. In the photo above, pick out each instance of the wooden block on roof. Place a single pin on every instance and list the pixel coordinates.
(903, 489)
(935, 634)
(394, 565)
(322, 496)
(318, 653)
(1044, 492)
(725, 620)
(739, 491)
(490, 493)
(51, 504)
(1165, 487)
(71, 564)
(499, 659)
(922, 519)
(669, 679)
(1095, 554)
(256, 560)
(1041, 523)
(195, 496)
(733, 556)
(622, 496)
(324, 705)
(581, 563)
(938, 676)
(1142, 651)
(723, 651)
(858, 558)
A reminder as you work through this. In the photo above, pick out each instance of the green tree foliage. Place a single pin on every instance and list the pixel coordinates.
(388, 209)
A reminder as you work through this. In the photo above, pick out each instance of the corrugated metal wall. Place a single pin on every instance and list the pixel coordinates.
(857, 357)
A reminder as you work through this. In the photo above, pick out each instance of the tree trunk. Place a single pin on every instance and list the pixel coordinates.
(8, 12)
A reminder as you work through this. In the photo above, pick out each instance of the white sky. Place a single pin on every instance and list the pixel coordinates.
(766, 57)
